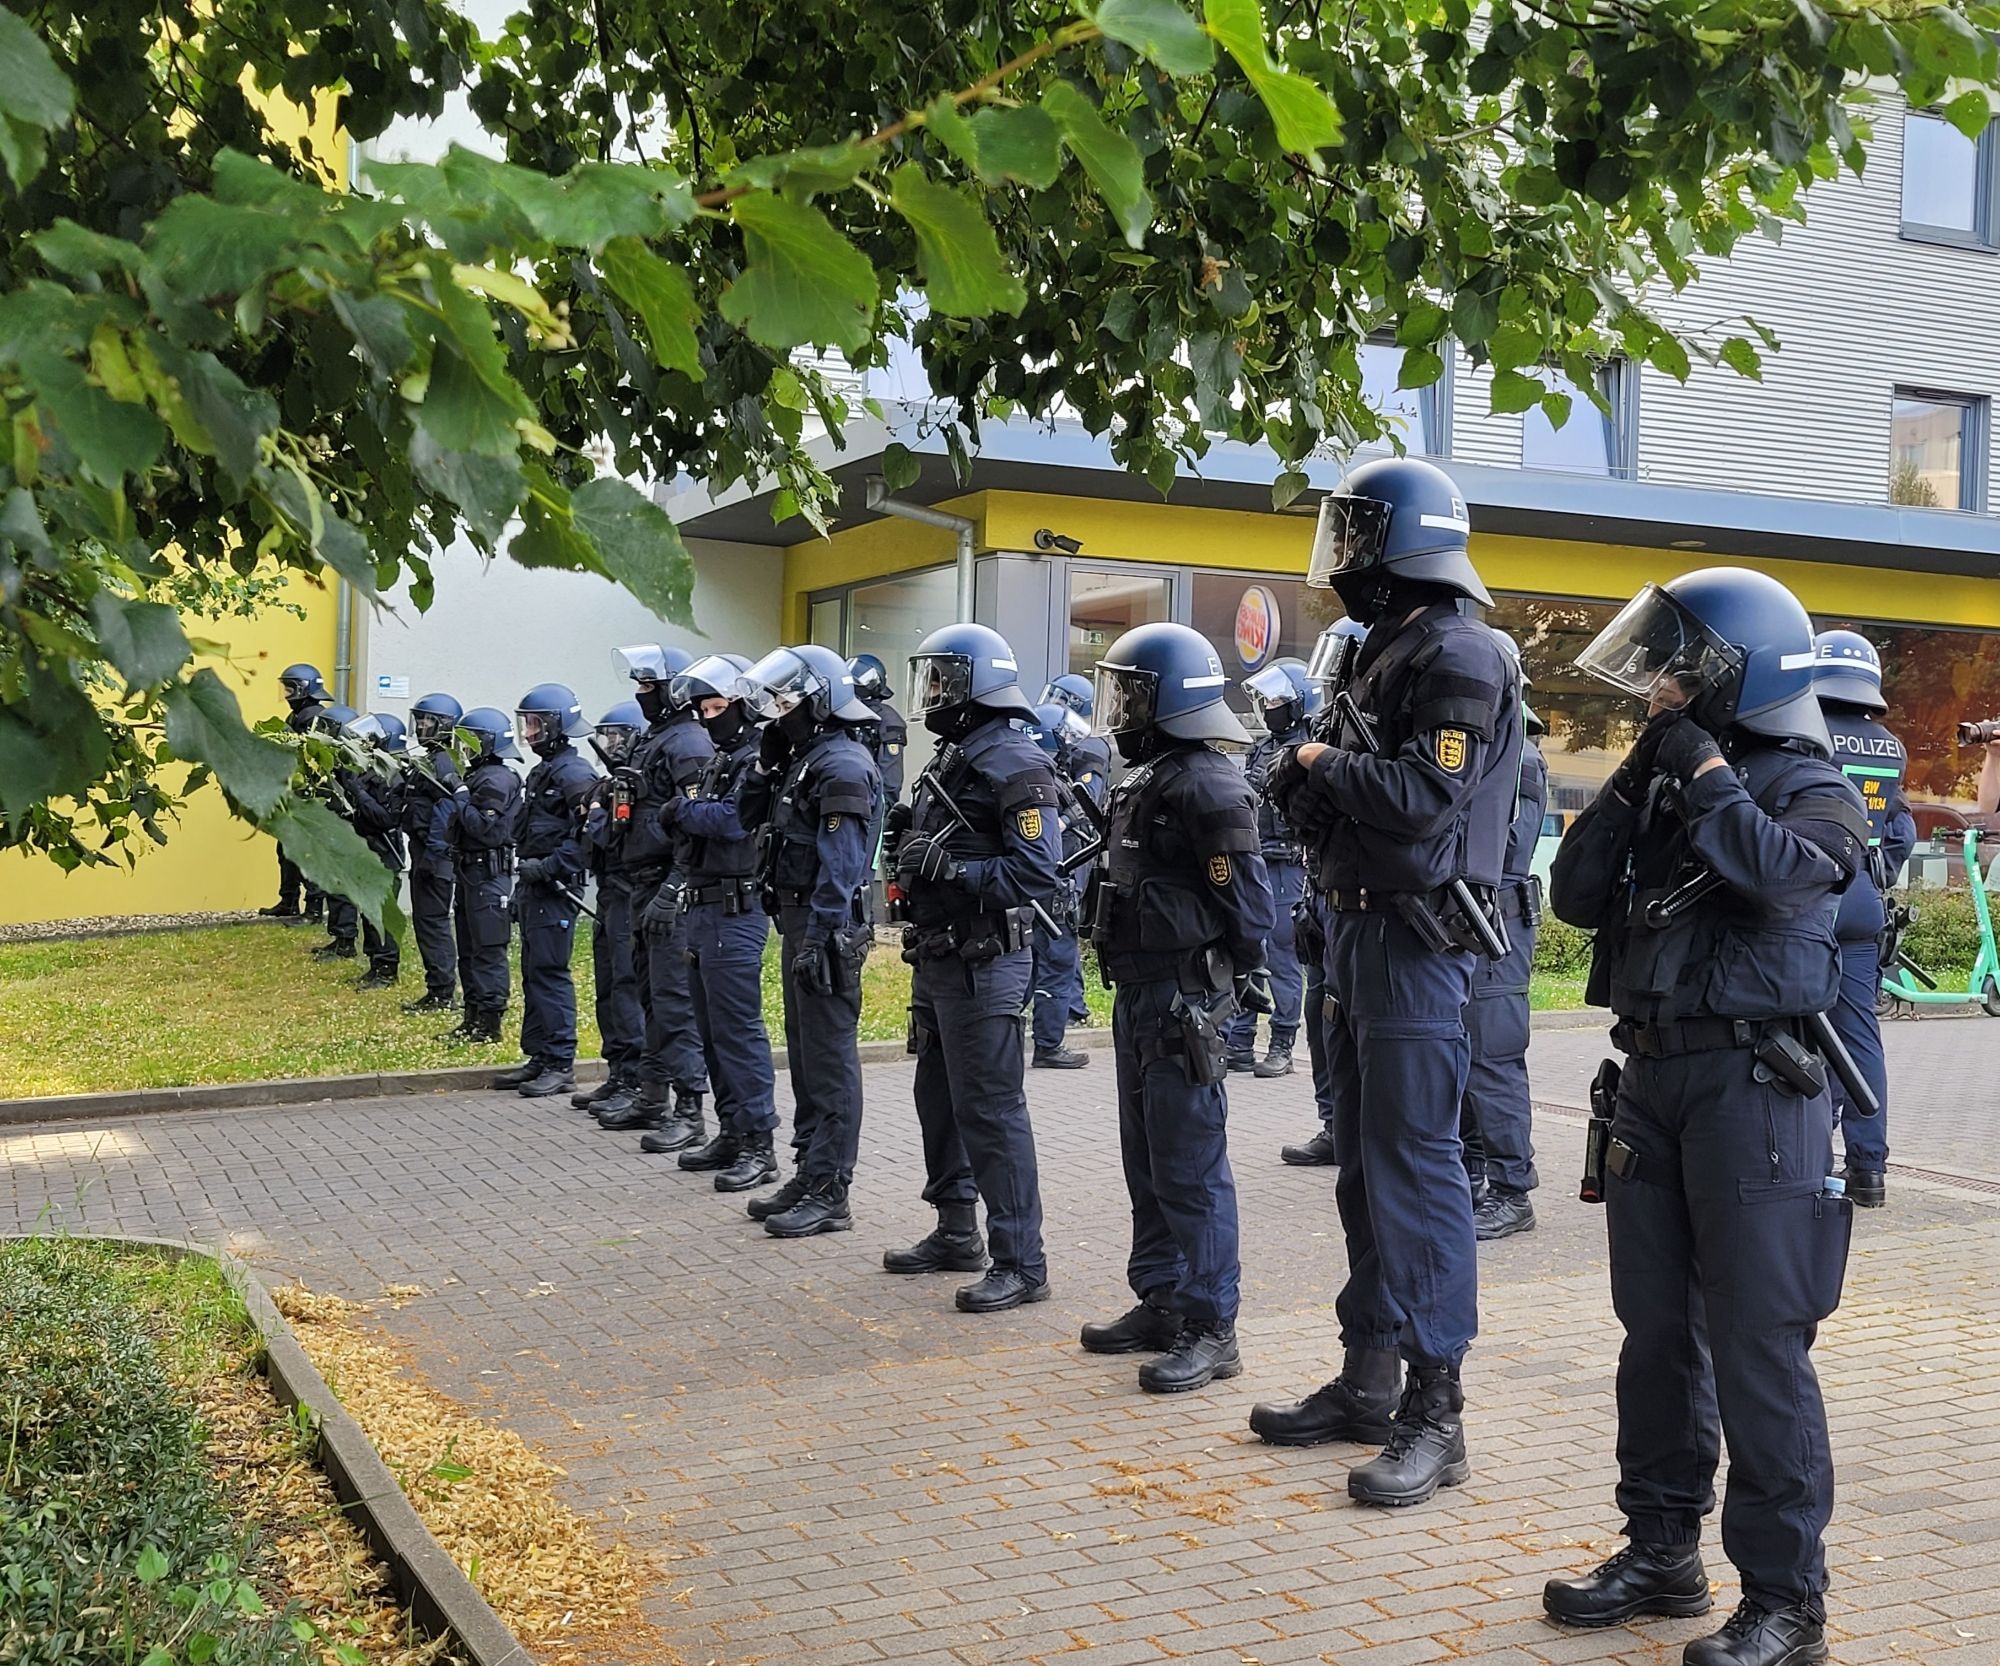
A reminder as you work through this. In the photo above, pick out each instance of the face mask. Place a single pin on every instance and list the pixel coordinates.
(652, 700)
(726, 725)
(954, 723)
(1135, 746)
(796, 723)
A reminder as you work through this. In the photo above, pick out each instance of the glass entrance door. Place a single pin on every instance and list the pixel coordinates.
(1106, 602)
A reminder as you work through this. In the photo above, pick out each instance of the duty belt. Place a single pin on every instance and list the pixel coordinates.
(1520, 899)
(700, 894)
(491, 862)
(1690, 1035)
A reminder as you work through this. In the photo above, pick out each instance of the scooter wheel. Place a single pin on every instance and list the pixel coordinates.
(1989, 998)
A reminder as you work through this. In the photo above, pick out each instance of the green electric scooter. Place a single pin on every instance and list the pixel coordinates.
(1906, 984)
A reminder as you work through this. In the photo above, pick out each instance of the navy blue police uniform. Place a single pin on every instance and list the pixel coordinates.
(970, 942)
(427, 804)
(305, 708)
(614, 933)
(375, 811)
(1083, 762)
(822, 816)
(1498, 1113)
(479, 831)
(727, 930)
(672, 756)
(889, 739)
(550, 870)
(1284, 863)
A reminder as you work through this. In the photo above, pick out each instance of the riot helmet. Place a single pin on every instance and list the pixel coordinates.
(1848, 671)
(1057, 728)
(1333, 654)
(382, 730)
(335, 720)
(715, 677)
(1283, 692)
(1074, 692)
(303, 686)
(617, 733)
(1393, 522)
(871, 678)
(653, 669)
(963, 674)
(1163, 679)
(802, 690)
(548, 717)
(489, 726)
(434, 717)
(1734, 648)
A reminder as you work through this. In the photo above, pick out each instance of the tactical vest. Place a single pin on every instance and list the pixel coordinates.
(1472, 845)
(1530, 802)
(788, 863)
(1156, 911)
(1718, 958)
(711, 858)
(555, 789)
(1873, 759)
(1278, 841)
(958, 769)
(669, 758)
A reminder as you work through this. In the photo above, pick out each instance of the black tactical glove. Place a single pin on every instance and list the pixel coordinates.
(1284, 777)
(812, 966)
(1631, 778)
(774, 749)
(532, 871)
(1684, 749)
(660, 914)
(895, 825)
(926, 859)
(1253, 990)
(445, 768)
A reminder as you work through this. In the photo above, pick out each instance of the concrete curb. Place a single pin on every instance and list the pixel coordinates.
(440, 1598)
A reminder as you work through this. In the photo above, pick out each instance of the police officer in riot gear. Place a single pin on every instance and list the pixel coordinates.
(614, 933)
(1330, 670)
(1283, 693)
(427, 783)
(975, 857)
(342, 919)
(1072, 691)
(306, 698)
(374, 810)
(668, 764)
(1405, 814)
(1708, 868)
(1497, 1114)
(816, 797)
(889, 738)
(727, 931)
(479, 833)
(1058, 960)
(1181, 921)
(1847, 680)
(548, 883)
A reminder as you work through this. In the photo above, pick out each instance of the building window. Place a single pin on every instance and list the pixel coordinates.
(1419, 417)
(1590, 442)
(1936, 444)
(1951, 184)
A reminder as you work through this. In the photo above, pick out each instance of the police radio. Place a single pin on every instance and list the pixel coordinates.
(623, 796)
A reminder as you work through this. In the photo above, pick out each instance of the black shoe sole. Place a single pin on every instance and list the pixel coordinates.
(1665, 1608)
(544, 1093)
(1306, 1162)
(768, 1178)
(812, 1231)
(1513, 1231)
(1452, 1475)
(1859, 1202)
(963, 1265)
(1333, 1437)
(1222, 1373)
(1060, 1064)
(1134, 1347)
(1040, 1293)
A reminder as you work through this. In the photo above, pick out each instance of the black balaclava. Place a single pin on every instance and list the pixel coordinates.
(652, 700)
(954, 723)
(797, 724)
(726, 727)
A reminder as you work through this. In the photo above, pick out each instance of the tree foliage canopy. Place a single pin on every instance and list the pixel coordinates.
(1178, 221)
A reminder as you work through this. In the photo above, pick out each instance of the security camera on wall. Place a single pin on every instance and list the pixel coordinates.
(1051, 543)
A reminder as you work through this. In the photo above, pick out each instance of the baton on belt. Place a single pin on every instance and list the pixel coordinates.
(929, 779)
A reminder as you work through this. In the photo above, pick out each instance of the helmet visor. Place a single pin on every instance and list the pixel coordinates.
(938, 681)
(1126, 698)
(775, 684)
(368, 729)
(1350, 538)
(615, 741)
(431, 728)
(532, 729)
(1271, 686)
(643, 662)
(1658, 652)
(1332, 654)
(1063, 696)
(709, 676)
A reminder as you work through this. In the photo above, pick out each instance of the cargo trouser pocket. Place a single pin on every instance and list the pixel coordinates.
(1793, 1251)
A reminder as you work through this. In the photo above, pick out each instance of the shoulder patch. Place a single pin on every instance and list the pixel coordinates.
(833, 824)
(1029, 821)
(1218, 868)
(1451, 749)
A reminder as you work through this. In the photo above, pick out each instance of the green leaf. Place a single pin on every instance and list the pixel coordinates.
(1286, 488)
(144, 640)
(151, 1566)
(333, 539)
(446, 1471)
(205, 726)
(1216, 363)
(815, 171)
(487, 490)
(1668, 355)
(1304, 117)
(549, 535)
(638, 545)
(1474, 315)
(111, 439)
(965, 275)
(1422, 324)
(949, 125)
(1421, 367)
(235, 418)
(379, 327)
(35, 98)
(471, 403)
(1971, 112)
(201, 1648)
(247, 1599)
(202, 248)
(80, 253)
(1110, 159)
(802, 282)
(1513, 392)
(21, 524)
(332, 855)
(900, 466)
(662, 296)
(1160, 30)
(157, 1656)
(1743, 358)
(1018, 142)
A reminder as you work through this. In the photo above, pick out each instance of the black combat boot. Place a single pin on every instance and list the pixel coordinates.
(551, 1080)
(1502, 1213)
(485, 1027)
(381, 974)
(1866, 1188)
(1204, 1351)
(462, 1030)
(1149, 1328)
(432, 1000)
(1640, 1579)
(1060, 1057)
(1277, 1061)
(1425, 1449)
(1315, 1153)
(526, 1071)
(1240, 1061)
(684, 1127)
(1758, 1636)
(1002, 1288)
(823, 1208)
(952, 1246)
(612, 1083)
(717, 1153)
(335, 948)
(756, 1165)
(279, 911)
(1359, 1405)
(785, 1197)
(645, 1109)
(315, 912)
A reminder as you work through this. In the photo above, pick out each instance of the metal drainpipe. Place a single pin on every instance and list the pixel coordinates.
(962, 529)
(343, 642)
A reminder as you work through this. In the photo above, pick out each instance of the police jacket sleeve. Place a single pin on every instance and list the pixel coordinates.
(1899, 839)
(754, 795)
(1219, 814)
(1412, 793)
(718, 818)
(843, 838)
(1587, 878)
(486, 819)
(1784, 866)
(374, 806)
(570, 860)
(1030, 843)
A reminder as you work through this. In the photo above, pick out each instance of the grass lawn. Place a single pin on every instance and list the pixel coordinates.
(247, 1003)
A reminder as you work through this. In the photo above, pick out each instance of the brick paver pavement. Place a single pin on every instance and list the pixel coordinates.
(831, 1465)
